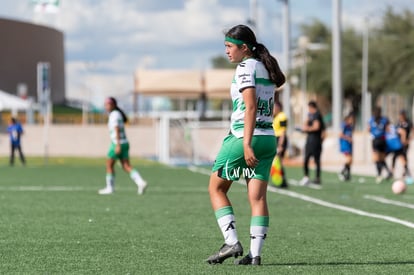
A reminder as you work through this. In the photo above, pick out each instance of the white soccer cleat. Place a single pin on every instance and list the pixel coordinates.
(409, 180)
(304, 181)
(106, 191)
(142, 185)
(378, 179)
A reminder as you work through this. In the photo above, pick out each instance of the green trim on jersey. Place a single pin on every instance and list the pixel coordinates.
(238, 104)
(238, 126)
(259, 221)
(264, 81)
(264, 125)
(224, 211)
(259, 125)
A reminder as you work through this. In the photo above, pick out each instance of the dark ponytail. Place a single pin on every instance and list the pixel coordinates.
(275, 73)
(260, 52)
(124, 117)
(115, 104)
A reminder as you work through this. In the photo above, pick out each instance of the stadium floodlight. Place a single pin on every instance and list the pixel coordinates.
(336, 66)
(364, 87)
(303, 43)
(286, 61)
(43, 98)
(252, 21)
(365, 95)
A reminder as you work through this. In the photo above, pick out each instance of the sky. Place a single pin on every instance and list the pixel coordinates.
(106, 41)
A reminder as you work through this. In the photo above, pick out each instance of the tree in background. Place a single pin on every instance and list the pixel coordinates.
(391, 66)
(221, 62)
(391, 58)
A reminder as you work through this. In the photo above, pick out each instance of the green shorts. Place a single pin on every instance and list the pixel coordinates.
(230, 162)
(124, 154)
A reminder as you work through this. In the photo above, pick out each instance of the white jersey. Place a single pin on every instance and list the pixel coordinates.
(252, 73)
(115, 121)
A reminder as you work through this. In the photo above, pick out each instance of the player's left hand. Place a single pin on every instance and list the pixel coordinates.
(249, 156)
(118, 148)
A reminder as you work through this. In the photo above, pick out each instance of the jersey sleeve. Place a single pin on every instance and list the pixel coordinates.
(322, 122)
(343, 126)
(283, 121)
(245, 76)
(283, 117)
(114, 119)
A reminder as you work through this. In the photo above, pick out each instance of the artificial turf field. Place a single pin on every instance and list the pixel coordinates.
(54, 222)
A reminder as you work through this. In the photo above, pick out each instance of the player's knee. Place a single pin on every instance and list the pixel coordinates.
(216, 187)
(127, 168)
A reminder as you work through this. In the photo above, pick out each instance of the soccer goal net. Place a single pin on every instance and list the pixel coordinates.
(184, 139)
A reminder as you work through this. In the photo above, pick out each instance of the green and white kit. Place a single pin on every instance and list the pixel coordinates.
(115, 121)
(230, 162)
(252, 73)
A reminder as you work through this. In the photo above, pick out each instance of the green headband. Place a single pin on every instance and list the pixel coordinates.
(238, 42)
(234, 41)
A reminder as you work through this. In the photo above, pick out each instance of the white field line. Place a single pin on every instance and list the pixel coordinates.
(81, 189)
(310, 185)
(342, 207)
(387, 201)
(325, 203)
(43, 188)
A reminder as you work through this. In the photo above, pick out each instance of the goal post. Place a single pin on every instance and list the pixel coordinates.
(185, 140)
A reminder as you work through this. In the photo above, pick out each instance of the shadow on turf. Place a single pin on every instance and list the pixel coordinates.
(341, 263)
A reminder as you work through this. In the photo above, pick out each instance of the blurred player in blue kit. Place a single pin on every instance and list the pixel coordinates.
(345, 145)
(376, 127)
(15, 131)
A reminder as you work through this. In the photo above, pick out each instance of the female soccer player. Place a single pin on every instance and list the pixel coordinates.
(280, 127)
(15, 131)
(250, 146)
(405, 123)
(395, 141)
(314, 127)
(119, 149)
(345, 144)
(376, 127)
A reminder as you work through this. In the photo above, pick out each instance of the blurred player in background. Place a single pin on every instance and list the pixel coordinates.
(15, 131)
(395, 140)
(405, 123)
(376, 127)
(250, 147)
(314, 127)
(280, 126)
(119, 149)
(345, 145)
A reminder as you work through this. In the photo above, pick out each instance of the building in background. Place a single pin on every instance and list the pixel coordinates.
(23, 45)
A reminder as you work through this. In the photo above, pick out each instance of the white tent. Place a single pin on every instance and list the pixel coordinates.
(12, 102)
(171, 83)
(215, 83)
